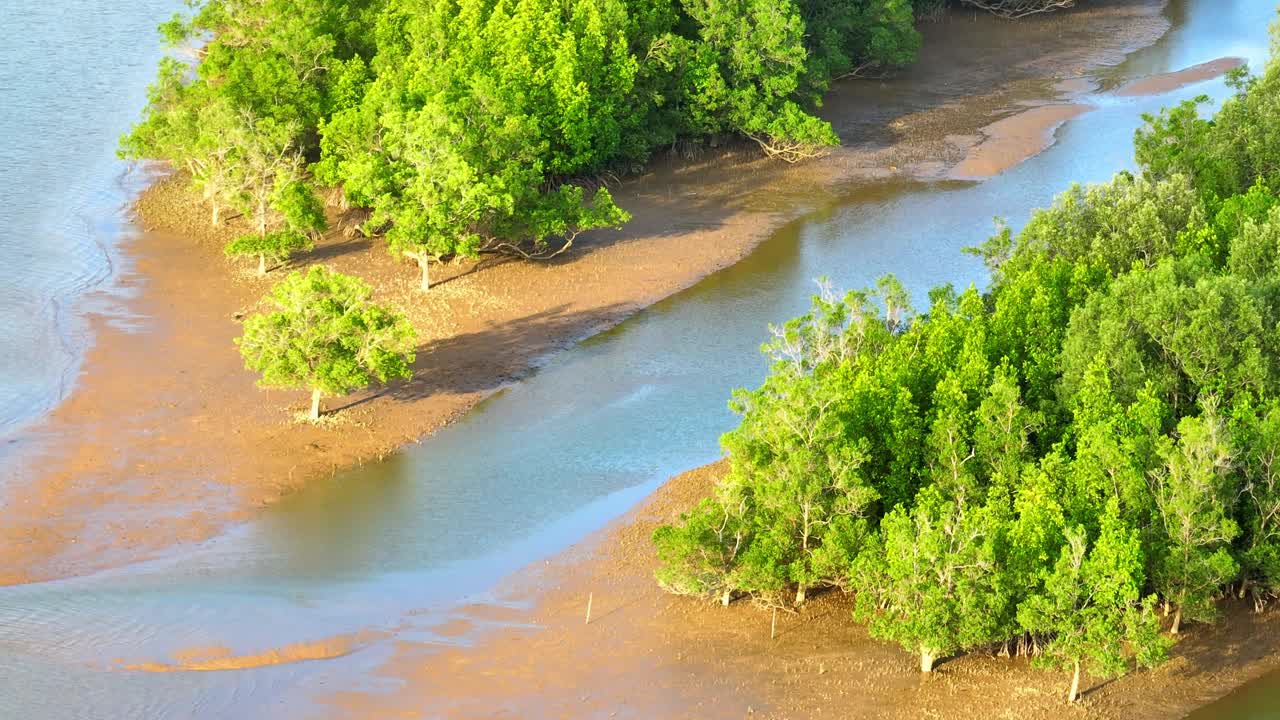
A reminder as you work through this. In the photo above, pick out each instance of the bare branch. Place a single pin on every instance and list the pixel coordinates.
(789, 151)
(506, 248)
(1014, 9)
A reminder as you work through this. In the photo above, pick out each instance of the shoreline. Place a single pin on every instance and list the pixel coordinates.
(658, 655)
(180, 474)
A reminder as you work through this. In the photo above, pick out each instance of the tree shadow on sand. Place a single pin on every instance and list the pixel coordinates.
(485, 360)
(326, 251)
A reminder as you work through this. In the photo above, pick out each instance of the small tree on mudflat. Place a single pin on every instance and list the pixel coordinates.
(698, 554)
(275, 247)
(326, 335)
(289, 206)
(804, 478)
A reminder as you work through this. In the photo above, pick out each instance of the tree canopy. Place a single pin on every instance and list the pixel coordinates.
(1044, 463)
(325, 334)
(469, 126)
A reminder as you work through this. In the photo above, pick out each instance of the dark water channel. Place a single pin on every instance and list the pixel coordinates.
(393, 546)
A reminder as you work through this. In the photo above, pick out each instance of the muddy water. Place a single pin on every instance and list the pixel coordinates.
(1258, 700)
(384, 552)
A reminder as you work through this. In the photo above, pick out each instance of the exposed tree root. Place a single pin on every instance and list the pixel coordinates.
(866, 71)
(787, 150)
(506, 248)
(1014, 9)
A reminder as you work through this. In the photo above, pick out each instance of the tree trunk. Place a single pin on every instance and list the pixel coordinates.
(927, 659)
(726, 597)
(1177, 621)
(262, 264)
(1074, 695)
(315, 405)
(426, 274)
(217, 212)
(800, 595)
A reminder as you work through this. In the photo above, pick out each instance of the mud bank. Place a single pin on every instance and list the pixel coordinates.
(1009, 141)
(649, 654)
(1159, 84)
(218, 657)
(166, 439)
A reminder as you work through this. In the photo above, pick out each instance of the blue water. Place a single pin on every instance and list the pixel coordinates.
(73, 75)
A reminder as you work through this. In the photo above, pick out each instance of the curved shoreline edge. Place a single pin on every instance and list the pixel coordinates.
(659, 655)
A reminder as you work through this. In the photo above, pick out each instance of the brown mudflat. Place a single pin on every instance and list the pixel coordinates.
(1011, 140)
(646, 654)
(1167, 82)
(219, 657)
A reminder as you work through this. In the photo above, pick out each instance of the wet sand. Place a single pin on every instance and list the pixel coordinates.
(1009, 141)
(1167, 82)
(647, 654)
(219, 657)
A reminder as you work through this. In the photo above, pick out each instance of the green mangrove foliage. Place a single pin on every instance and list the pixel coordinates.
(241, 116)
(275, 246)
(483, 122)
(325, 334)
(295, 211)
(1045, 465)
(1226, 154)
(469, 126)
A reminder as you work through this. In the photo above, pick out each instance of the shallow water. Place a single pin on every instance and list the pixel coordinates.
(1258, 700)
(396, 545)
(73, 75)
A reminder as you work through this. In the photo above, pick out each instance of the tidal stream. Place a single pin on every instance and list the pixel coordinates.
(390, 548)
